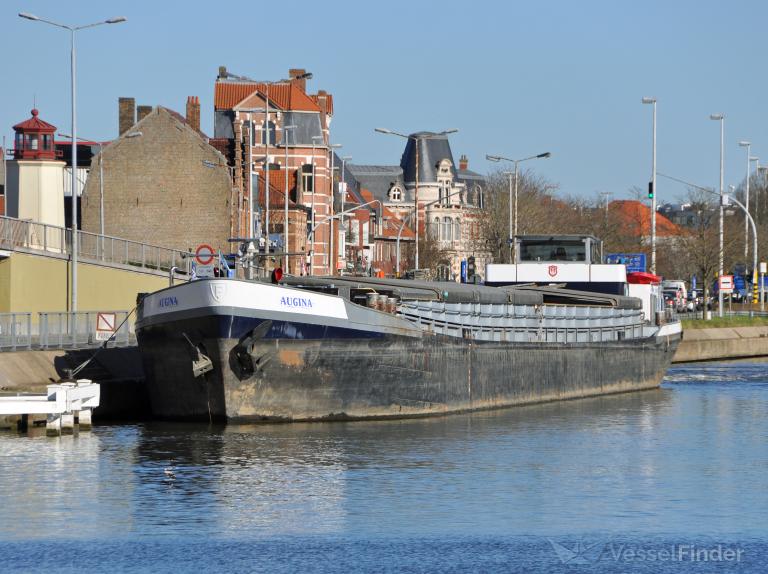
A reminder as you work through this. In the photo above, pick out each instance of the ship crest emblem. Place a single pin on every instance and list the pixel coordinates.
(218, 290)
(552, 270)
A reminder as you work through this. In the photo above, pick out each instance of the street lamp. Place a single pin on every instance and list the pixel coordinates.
(746, 197)
(416, 138)
(652, 189)
(73, 74)
(721, 118)
(312, 209)
(331, 259)
(286, 129)
(513, 228)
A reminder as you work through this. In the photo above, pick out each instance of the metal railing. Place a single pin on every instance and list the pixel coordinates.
(62, 330)
(79, 330)
(18, 233)
(15, 331)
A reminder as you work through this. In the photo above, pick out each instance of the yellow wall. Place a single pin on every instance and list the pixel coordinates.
(34, 283)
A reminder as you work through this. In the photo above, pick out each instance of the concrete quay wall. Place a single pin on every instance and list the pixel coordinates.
(722, 344)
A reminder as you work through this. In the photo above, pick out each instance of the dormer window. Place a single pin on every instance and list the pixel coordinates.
(395, 193)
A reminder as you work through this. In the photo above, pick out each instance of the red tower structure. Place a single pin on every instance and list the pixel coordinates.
(34, 139)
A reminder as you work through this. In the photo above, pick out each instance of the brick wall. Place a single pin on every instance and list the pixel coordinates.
(157, 188)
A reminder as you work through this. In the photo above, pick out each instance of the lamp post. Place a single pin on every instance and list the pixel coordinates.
(343, 193)
(760, 168)
(331, 259)
(653, 186)
(721, 118)
(416, 138)
(312, 210)
(286, 129)
(73, 74)
(757, 189)
(746, 198)
(726, 199)
(513, 224)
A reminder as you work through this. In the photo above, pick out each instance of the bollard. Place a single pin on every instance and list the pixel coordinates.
(84, 419)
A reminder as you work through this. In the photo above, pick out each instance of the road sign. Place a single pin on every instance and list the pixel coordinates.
(204, 258)
(204, 254)
(635, 262)
(726, 283)
(106, 323)
(762, 267)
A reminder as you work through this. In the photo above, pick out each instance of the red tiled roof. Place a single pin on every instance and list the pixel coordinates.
(634, 214)
(287, 96)
(35, 123)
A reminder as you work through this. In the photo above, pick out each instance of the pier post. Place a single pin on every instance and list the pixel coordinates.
(84, 419)
(67, 423)
(53, 425)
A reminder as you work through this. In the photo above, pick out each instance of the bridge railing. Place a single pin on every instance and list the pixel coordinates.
(15, 331)
(63, 330)
(18, 233)
(80, 330)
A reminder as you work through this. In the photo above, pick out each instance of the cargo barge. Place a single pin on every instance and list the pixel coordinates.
(339, 348)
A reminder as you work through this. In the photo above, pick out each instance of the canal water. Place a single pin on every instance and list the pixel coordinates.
(669, 480)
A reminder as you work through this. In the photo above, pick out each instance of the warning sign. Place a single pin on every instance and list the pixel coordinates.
(204, 257)
(726, 283)
(106, 323)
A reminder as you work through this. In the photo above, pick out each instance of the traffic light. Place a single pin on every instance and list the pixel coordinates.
(650, 190)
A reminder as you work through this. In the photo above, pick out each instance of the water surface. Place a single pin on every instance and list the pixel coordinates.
(508, 490)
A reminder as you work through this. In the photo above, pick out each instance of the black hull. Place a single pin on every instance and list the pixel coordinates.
(307, 372)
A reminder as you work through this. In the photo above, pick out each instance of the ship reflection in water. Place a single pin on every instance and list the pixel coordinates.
(685, 460)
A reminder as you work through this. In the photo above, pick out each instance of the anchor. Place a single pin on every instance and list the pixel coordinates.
(241, 358)
(201, 363)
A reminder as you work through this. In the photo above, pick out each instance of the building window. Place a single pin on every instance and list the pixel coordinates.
(479, 199)
(33, 142)
(47, 142)
(456, 230)
(268, 128)
(19, 140)
(436, 228)
(447, 232)
(395, 194)
(307, 182)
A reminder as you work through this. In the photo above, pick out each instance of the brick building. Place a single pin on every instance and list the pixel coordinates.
(164, 184)
(252, 128)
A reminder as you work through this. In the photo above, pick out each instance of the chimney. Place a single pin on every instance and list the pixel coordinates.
(126, 114)
(142, 112)
(322, 102)
(193, 112)
(296, 72)
(463, 162)
(222, 72)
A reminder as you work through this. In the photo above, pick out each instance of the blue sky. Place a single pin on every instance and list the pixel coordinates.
(515, 78)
